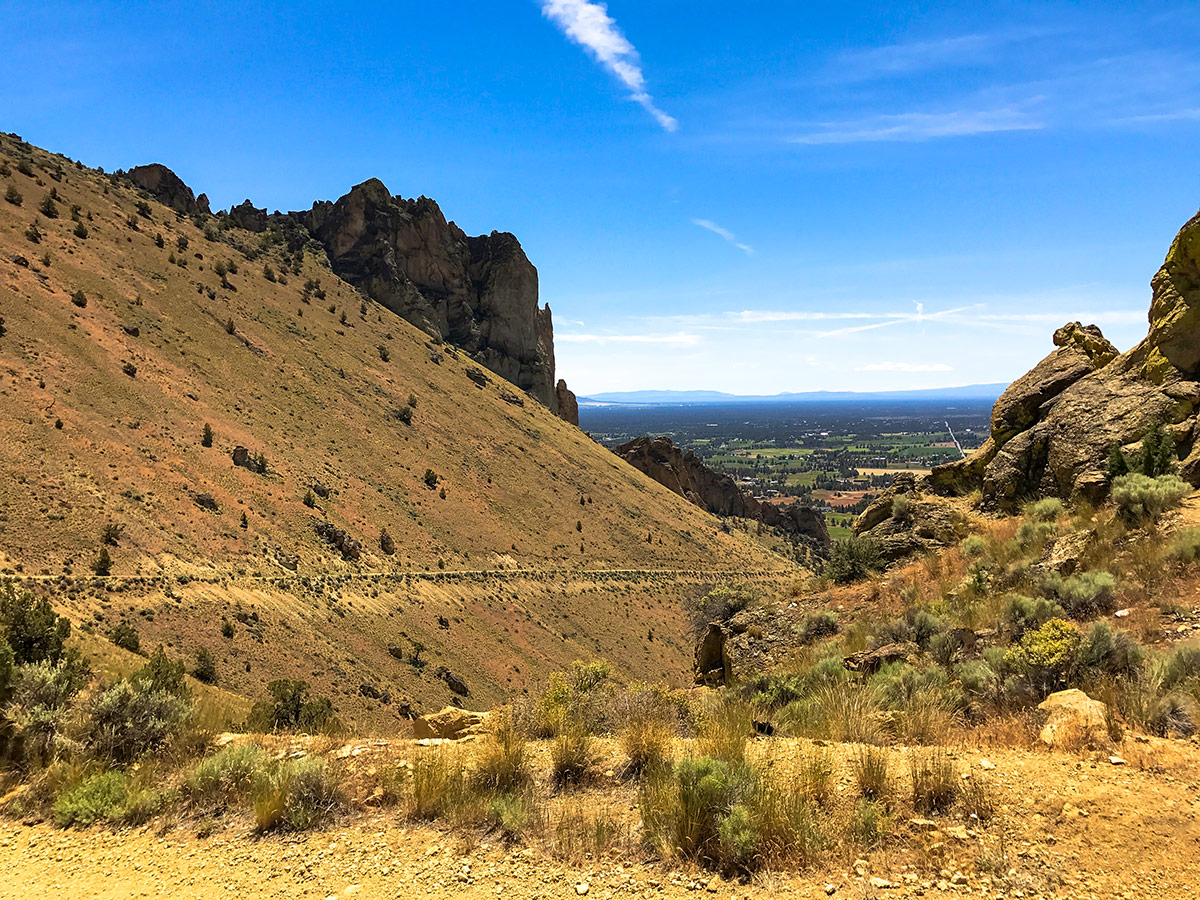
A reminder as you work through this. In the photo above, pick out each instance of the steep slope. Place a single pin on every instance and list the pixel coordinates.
(128, 327)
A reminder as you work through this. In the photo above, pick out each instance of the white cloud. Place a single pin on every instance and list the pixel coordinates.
(901, 59)
(682, 338)
(921, 126)
(904, 367)
(589, 25)
(725, 233)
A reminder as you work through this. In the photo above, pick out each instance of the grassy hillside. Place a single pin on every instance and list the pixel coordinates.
(128, 328)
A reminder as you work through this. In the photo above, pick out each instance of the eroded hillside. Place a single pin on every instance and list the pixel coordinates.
(369, 451)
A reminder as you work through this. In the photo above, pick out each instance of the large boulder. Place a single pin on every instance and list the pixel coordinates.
(479, 293)
(451, 724)
(169, 188)
(1053, 429)
(1071, 719)
(711, 666)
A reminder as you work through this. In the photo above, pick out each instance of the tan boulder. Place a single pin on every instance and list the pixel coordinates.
(1073, 719)
(450, 724)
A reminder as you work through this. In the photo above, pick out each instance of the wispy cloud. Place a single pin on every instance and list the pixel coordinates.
(725, 233)
(916, 126)
(681, 338)
(904, 367)
(914, 56)
(589, 25)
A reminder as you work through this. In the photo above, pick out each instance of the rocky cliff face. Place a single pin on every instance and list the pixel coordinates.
(683, 472)
(479, 293)
(1053, 429)
(169, 188)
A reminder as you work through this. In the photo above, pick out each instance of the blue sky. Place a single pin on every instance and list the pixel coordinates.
(750, 197)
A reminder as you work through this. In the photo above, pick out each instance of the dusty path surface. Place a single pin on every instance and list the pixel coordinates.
(1066, 827)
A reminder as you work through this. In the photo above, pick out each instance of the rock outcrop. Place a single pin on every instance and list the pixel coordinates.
(712, 667)
(169, 188)
(903, 520)
(246, 215)
(568, 406)
(451, 724)
(478, 293)
(1053, 430)
(684, 473)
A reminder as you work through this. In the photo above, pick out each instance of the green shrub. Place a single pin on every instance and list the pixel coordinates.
(853, 558)
(973, 546)
(817, 625)
(39, 713)
(1023, 614)
(205, 669)
(1185, 548)
(1046, 510)
(1181, 665)
(1140, 498)
(1105, 651)
(131, 719)
(103, 564)
(869, 823)
(1046, 655)
(99, 798)
(510, 814)
(230, 773)
(720, 604)
(291, 708)
(31, 628)
(683, 810)
(1082, 596)
(297, 795)
(13, 196)
(126, 637)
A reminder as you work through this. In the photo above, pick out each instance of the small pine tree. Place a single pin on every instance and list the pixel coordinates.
(79, 298)
(13, 196)
(310, 499)
(206, 436)
(226, 628)
(245, 523)
(159, 242)
(81, 231)
(205, 669)
(103, 563)
(48, 207)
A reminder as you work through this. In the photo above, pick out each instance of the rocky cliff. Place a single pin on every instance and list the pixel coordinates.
(684, 473)
(478, 293)
(1053, 430)
(169, 188)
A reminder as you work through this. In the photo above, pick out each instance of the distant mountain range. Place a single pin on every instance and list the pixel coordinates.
(987, 392)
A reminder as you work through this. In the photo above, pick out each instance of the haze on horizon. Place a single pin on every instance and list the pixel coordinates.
(750, 200)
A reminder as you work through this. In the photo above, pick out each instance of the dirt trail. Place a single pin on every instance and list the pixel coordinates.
(1066, 828)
